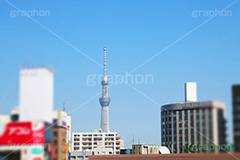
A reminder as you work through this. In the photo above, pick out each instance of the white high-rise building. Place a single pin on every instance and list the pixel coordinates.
(36, 93)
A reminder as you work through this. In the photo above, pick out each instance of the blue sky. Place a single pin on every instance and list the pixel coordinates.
(133, 31)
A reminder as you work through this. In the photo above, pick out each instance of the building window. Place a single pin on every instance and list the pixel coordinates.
(55, 134)
(236, 99)
(55, 142)
(191, 114)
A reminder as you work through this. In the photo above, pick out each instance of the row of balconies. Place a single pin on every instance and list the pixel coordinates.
(95, 143)
(87, 142)
(90, 147)
(95, 135)
(90, 137)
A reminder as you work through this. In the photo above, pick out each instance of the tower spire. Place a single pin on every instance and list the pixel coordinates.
(104, 100)
(104, 49)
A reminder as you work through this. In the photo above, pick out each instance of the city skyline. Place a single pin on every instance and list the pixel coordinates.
(198, 57)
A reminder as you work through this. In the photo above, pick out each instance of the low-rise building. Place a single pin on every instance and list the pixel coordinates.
(95, 143)
(61, 133)
(125, 151)
(59, 142)
(89, 141)
(80, 155)
(145, 149)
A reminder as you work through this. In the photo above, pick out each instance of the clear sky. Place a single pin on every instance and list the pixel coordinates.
(68, 35)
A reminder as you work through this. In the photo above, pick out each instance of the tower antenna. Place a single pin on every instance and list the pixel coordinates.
(105, 63)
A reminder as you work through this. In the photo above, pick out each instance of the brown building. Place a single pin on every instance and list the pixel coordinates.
(236, 116)
(59, 142)
(194, 156)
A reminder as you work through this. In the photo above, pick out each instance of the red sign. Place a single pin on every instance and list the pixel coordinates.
(68, 128)
(22, 133)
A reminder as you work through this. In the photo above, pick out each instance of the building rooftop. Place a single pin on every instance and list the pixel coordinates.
(146, 144)
(38, 66)
(95, 132)
(192, 105)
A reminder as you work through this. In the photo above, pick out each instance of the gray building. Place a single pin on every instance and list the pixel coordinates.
(192, 123)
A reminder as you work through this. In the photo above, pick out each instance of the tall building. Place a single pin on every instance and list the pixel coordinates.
(192, 123)
(236, 116)
(104, 100)
(36, 93)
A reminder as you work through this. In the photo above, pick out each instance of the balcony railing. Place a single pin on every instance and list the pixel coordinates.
(87, 138)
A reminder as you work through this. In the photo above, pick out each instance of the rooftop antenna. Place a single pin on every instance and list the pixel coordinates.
(64, 107)
(133, 140)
